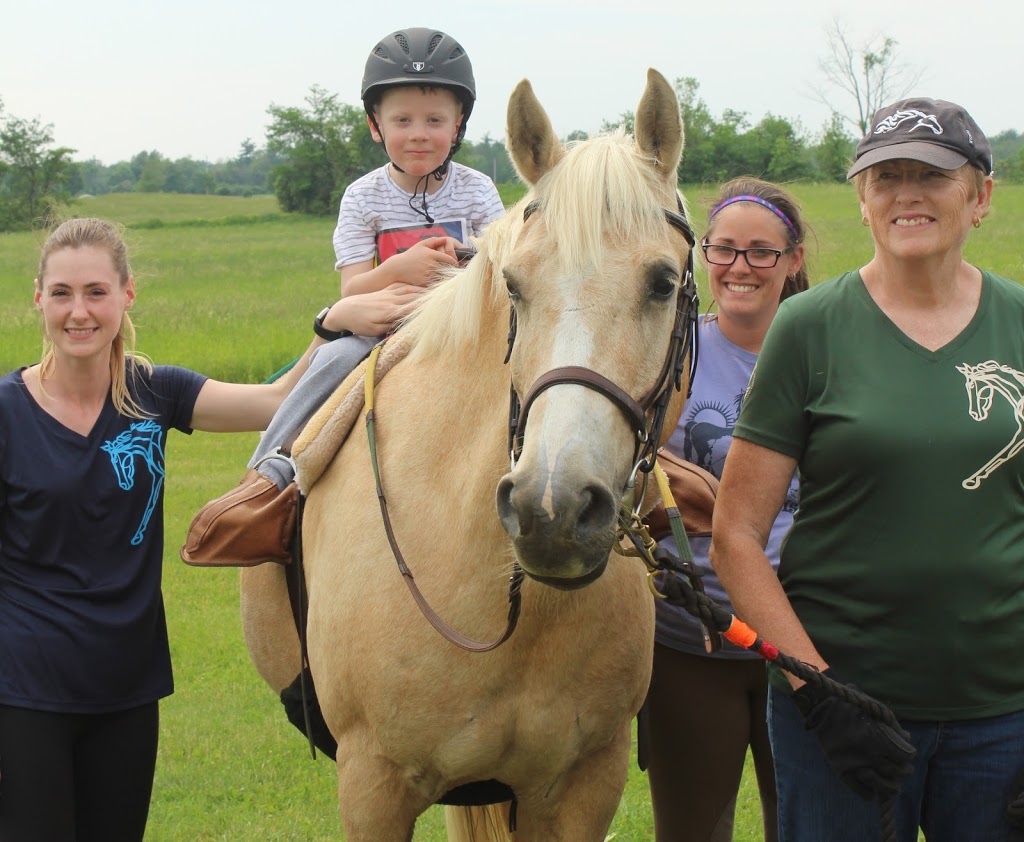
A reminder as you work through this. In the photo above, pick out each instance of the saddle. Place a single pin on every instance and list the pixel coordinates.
(254, 522)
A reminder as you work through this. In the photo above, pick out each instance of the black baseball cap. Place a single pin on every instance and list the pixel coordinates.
(933, 131)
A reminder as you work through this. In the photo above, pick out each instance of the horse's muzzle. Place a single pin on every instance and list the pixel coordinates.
(562, 536)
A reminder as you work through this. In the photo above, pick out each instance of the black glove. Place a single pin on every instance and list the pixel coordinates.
(1016, 809)
(870, 757)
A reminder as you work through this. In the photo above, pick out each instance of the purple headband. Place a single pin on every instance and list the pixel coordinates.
(757, 200)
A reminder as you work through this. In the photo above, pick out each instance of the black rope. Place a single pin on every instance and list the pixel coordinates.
(678, 590)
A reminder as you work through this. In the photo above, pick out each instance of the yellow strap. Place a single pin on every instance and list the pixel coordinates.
(371, 368)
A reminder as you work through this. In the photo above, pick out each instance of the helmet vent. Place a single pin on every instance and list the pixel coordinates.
(458, 52)
(438, 37)
(381, 52)
(403, 42)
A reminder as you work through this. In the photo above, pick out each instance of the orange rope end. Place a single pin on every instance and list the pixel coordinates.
(740, 633)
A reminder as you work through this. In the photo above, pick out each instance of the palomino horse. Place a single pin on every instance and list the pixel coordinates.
(592, 261)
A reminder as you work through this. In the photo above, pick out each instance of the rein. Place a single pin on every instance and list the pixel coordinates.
(515, 580)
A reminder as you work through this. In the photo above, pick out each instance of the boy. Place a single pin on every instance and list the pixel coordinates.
(397, 226)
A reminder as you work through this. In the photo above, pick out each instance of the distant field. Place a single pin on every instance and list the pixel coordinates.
(130, 208)
(229, 286)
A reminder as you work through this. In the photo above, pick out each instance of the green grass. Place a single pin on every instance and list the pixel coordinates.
(233, 296)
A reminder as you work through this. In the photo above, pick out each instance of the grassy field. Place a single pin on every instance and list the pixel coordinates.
(229, 286)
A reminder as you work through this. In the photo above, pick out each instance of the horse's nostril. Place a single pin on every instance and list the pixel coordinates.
(506, 511)
(596, 512)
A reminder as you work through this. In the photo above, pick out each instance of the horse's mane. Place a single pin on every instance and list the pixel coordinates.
(602, 186)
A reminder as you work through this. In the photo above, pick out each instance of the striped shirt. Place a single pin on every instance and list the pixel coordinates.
(375, 202)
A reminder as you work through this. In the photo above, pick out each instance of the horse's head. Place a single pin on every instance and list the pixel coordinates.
(122, 458)
(595, 279)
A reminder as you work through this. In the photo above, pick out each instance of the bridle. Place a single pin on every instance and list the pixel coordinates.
(648, 432)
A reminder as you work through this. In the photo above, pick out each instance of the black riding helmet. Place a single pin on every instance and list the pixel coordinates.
(419, 56)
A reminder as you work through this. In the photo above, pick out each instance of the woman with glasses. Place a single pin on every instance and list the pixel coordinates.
(897, 389)
(704, 710)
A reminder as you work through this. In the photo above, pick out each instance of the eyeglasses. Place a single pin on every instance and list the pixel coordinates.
(757, 258)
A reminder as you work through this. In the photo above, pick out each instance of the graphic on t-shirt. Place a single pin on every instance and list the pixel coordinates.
(984, 382)
(708, 432)
(391, 241)
(142, 439)
(707, 435)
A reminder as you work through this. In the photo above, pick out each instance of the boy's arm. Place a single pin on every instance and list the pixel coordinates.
(418, 266)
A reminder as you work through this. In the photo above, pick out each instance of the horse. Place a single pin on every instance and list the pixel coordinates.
(142, 439)
(590, 270)
(983, 382)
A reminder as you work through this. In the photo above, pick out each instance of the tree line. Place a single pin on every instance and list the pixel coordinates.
(315, 150)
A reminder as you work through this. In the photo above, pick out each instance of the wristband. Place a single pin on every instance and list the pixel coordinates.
(326, 332)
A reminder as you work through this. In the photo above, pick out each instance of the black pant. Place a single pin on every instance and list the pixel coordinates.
(71, 777)
(703, 715)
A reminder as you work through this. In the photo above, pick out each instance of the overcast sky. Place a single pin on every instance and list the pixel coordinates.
(195, 79)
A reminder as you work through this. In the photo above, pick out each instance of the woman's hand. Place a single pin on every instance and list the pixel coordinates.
(375, 313)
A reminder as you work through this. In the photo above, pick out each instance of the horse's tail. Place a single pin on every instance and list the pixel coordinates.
(478, 824)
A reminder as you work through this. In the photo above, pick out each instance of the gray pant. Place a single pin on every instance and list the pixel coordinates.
(328, 367)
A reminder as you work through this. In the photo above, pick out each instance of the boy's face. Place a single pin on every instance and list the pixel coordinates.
(419, 126)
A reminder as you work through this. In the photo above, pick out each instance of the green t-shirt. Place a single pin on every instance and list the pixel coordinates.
(905, 562)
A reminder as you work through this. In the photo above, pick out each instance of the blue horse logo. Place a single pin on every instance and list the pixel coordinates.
(141, 439)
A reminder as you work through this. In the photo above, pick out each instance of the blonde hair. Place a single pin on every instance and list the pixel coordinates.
(97, 233)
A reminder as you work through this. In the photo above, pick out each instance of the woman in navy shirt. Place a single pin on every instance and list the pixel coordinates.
(84, 656)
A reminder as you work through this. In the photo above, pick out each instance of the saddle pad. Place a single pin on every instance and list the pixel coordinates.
(327, 430)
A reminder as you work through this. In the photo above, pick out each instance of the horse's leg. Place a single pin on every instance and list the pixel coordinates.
(375, 798)
(584, 809)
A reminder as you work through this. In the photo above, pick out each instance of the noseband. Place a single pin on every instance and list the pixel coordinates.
(683, 339)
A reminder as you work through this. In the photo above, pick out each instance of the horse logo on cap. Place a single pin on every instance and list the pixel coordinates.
(894, 121)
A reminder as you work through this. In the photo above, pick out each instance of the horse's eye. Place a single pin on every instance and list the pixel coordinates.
(511, 286)
(663, 285)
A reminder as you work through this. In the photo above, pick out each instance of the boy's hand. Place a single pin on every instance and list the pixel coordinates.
(419, 264)
(374, 313)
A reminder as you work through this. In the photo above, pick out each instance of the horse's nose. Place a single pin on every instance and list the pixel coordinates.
(554, 527)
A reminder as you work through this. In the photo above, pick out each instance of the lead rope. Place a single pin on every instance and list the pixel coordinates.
(679, 590)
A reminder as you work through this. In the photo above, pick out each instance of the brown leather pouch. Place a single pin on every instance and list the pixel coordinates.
(694, 490)
(251, 524)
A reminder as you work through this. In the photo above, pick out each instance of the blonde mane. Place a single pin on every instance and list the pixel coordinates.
(603, 186)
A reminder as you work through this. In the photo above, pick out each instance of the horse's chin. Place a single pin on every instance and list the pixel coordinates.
(574, 583)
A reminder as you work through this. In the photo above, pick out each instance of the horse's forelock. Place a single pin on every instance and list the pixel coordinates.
(602, 186)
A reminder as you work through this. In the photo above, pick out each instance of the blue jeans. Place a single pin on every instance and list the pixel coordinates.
(958, 792)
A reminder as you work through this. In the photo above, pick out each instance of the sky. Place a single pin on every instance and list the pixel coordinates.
(195, 79)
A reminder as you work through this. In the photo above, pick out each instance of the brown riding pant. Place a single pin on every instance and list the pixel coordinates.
(703, 714)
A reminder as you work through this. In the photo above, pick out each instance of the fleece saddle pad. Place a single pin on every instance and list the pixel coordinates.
(327, 430)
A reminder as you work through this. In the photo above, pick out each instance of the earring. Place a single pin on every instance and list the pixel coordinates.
(977, 223)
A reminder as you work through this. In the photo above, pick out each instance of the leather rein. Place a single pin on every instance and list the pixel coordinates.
(683, 339)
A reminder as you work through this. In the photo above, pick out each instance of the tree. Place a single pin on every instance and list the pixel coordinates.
(834, 151)
(698, 128)
(326, 146)
(32, 174)
(870, 74)
(625, 121)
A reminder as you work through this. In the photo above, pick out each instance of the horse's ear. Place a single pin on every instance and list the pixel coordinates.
(532, 143)
(659, 126)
